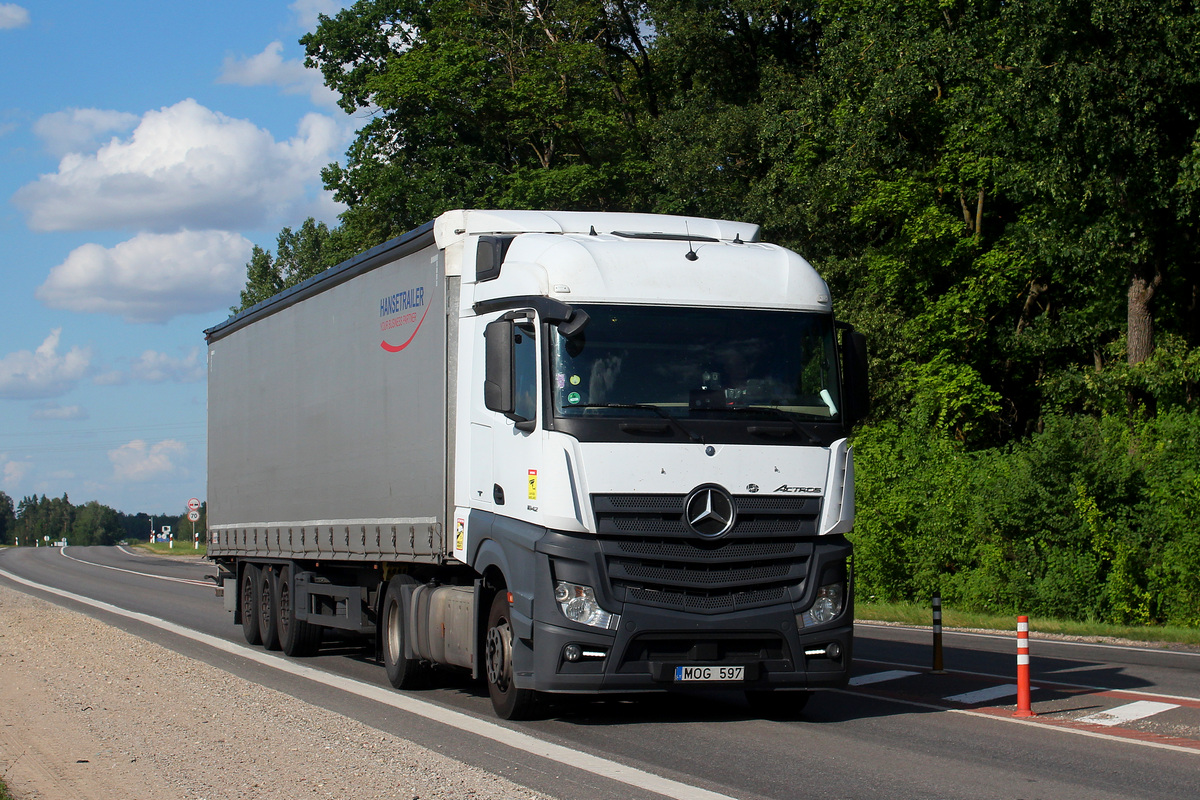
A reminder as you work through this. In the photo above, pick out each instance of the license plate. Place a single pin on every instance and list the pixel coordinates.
(710, 673)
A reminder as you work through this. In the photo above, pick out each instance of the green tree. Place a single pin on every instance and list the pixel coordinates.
(95, 524)
(299, 255)
(40, 519)
(485, 102)
(8, 519)
(999, 192)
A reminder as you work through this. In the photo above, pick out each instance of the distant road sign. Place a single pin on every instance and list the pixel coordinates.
(194, 504)
(194, 516)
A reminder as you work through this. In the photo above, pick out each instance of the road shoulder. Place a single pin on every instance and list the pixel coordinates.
(89, 711)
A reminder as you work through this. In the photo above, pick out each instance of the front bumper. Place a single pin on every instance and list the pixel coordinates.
(757, 630)
(643, 653)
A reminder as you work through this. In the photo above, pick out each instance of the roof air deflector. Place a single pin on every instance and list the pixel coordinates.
(667, 237)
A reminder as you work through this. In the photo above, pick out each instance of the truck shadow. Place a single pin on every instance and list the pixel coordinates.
(918, 692)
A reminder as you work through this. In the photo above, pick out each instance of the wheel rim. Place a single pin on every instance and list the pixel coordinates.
(247, 598)
(499, 641)
(393, 631)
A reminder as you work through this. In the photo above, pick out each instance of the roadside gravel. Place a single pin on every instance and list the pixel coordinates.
(90, 712)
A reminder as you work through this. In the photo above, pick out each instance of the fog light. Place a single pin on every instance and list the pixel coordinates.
(572, 652)
(833, 651)
(578, 604)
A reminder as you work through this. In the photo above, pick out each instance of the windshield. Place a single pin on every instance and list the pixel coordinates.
(697, 363)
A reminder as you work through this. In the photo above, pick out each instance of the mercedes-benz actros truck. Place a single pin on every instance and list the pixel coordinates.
(568, 452)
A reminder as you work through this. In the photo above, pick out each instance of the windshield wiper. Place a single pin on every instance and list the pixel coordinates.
(646, 407)
(793, 423)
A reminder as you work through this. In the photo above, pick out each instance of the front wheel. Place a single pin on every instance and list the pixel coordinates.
(508, 701)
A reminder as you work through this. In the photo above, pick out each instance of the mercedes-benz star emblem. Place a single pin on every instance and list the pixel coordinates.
(709, 511)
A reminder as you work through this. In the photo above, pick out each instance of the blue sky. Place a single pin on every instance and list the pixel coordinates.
(145, 147)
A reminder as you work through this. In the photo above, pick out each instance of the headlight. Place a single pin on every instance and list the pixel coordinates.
(578, 604)
(827, 606)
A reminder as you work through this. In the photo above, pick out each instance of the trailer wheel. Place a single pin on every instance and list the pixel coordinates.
(296, 637)
(403, 673)
(268, 616)
(508, 701)
(248, 591)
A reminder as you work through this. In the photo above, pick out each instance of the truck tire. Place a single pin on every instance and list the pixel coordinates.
(248, 598)
(268, 616)
(296, 637)
(508, 701)
(403, 673)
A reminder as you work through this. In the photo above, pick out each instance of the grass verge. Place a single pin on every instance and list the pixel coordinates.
(921, 615)
(164, 549)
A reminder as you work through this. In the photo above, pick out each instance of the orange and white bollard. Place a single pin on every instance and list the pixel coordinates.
(1023, 703)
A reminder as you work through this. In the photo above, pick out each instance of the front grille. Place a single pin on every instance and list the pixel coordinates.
(652, 558)
(713, 647)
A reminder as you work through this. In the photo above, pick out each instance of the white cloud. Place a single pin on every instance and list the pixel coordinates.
(79, 130)
(151, 277)
(43, 372)
(51, 410)
(110, 378)
(13, 16)
(137, 461)
(13, 472)
(155, 367)
(185, 166)
(269, 68)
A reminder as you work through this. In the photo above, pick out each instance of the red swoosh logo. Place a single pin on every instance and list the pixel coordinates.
(394, 348)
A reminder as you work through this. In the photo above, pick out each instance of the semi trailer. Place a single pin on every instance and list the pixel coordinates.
(566, 452)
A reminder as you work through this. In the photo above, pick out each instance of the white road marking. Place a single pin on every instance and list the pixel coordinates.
(1044, 680)
(63, 552)
(1127, 713)
(984, 695)
(509, 737)
(881, 677)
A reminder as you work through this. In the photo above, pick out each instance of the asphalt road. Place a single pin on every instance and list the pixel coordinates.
(1112, 722)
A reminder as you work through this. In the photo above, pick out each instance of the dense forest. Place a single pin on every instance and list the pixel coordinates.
(1004, 195)
(40, 520)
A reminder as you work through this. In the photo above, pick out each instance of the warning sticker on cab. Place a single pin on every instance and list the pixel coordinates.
(533, 484)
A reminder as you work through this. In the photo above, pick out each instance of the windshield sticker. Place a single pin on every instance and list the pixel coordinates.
(401, 314)
(573, 398)
(575, 380)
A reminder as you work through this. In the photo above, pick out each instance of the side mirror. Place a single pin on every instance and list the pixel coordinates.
(510, 372)
(574, 324)
(856, 400)
(498, 366)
